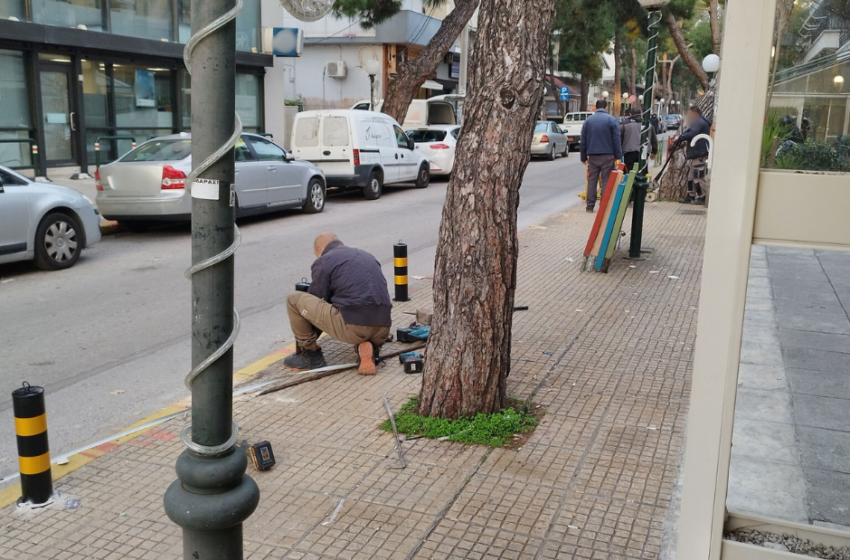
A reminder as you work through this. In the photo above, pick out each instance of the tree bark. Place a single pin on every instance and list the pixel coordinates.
(633, 78)
(618, 63)
(674, 182)
(714, 22)
(585, 92)
(685, 52)
(475, 270)
(413, 73)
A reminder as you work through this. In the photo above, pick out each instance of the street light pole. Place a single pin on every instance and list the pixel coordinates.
(641, 184)
(213, 495)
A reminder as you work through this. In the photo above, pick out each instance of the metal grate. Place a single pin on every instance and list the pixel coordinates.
(691, 212)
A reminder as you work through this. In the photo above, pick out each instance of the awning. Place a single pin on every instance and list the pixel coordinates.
(431, 84)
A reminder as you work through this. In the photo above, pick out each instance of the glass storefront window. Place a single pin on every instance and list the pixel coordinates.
(86, 14)
(808, 121)
(247, 24)
(96, 90)
(248, 101)
(148, 19)
(14, 94)
(13, 9)
(143, 97)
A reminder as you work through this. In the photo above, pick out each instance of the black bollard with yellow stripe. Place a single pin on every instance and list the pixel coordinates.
(33, 452)
(400, 264)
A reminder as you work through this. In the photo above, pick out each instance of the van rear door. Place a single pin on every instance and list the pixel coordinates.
(337, 157)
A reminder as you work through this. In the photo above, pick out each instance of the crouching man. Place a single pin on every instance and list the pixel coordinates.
(348, 299)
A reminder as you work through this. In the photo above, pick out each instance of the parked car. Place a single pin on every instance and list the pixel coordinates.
(572, 127)
(438, 143)
(440, 109)
(149, 183)
(549, 141)
(44, 222)
(360, 149)
(673, 121)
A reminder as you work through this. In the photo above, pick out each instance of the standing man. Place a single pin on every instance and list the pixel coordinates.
(600, 149)
(348, 299)
(630, 135)
(697, 155)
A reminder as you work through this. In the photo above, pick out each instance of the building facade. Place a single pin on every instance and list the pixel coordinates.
(74, 71)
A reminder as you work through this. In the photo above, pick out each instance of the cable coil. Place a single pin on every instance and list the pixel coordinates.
(186, 434)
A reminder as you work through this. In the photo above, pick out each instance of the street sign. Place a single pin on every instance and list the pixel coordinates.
(287, 41)
(564, 93)
(632, 98)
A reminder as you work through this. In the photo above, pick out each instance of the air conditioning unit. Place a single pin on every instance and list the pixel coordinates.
(335, 69)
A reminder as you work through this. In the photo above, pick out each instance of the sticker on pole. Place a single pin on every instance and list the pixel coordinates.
(205, 188)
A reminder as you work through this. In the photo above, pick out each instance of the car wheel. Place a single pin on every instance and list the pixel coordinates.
(566, 150)
(551, 156)
(424, 176)
(373, 189)
(315, 197)
(58, 242)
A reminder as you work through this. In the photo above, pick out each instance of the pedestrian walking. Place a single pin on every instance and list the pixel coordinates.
(600, 149)
(697, 155)
(653, 120)
(347, 299)
(630, 136)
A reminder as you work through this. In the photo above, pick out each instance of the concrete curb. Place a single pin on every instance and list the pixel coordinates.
(76, 461)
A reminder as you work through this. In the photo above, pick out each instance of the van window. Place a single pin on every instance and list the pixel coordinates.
(307, 132)
(362, 107)
(335, 131)
(441, 113)
(401, 138)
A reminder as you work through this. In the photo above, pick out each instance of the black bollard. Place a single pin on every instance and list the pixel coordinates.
(33, 452)
(400, 264)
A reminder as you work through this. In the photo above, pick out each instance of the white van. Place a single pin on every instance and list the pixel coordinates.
(359, 149)
(440, 109)
(572, 127)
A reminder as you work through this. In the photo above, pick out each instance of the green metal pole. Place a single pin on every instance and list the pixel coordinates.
(213, 495)
(641, 181)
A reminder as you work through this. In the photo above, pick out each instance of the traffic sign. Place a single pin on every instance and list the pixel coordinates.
(564, 93)
(632, 98)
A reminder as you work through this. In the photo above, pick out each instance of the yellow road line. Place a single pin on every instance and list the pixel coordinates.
(11, 494)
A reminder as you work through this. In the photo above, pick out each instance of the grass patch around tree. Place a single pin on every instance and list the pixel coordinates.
(494, 430)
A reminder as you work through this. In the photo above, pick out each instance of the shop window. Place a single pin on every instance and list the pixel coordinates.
(247, 24)
(143, 97)
(808, 120)
(15, 118)
(248, 101)
(82, 14)
(96, 88)
(148, 19)
(13, 9)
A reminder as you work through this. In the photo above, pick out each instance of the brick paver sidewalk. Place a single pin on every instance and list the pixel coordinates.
(608, 356)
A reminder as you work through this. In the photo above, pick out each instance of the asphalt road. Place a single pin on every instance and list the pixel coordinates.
(109, 338)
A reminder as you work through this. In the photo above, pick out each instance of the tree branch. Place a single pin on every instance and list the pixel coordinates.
(684, 51)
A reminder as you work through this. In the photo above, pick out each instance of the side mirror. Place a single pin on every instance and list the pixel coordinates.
(287, 156)
(410, 143)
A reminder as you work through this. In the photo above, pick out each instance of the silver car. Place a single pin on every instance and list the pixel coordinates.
(549, 141)
(44, 222)
(149, 183)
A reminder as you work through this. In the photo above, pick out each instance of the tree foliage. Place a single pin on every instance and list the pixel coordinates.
(372, 12)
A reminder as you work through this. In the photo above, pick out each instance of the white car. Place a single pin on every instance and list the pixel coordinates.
(438, 143)
(572, 127)
(47, 223)
(360, 149)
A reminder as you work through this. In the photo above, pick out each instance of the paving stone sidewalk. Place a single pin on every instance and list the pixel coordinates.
(608, 356)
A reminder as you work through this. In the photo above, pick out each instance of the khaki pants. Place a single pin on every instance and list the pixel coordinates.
(310, 316)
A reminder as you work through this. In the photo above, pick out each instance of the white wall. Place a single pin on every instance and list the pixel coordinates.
(321, 92)
(276, 78)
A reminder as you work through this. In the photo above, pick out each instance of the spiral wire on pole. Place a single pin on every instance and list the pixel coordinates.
(649, 87)
(186, 434)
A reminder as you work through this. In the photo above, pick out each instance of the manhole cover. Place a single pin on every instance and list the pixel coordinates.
(691, 212)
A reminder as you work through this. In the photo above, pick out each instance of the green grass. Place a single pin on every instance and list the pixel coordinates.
(494, 430)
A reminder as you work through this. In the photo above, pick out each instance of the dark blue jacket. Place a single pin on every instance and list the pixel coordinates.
(351, 280)
(600, 134)
(702, 126)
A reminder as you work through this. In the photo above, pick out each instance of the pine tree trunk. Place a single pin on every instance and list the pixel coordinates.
(413, 73)
(585, 92)
(618, 64)
(685, 52)
(469, 349)
(674, 182)
(714, 23)
(633, 78)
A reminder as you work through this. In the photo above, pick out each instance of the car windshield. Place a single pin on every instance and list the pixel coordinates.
(427, 135)
(541, 127)
(161, 150)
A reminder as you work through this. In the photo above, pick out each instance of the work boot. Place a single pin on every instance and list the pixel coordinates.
(589, 210)
(366, 365)
(306, 360)
(687, 199)
(699, 201)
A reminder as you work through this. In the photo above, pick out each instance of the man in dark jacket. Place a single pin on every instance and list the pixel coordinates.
(697, 155)
(348, 299)
(600, 148)
(630, 134)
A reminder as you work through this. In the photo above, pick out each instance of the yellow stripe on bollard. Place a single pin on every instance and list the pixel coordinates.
(400, 262)
(31, 426)
(34, 465)
(401, 280)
